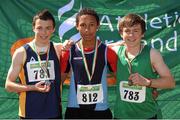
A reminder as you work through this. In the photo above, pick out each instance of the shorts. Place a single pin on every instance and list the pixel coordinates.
(78, 113)
(58, 117)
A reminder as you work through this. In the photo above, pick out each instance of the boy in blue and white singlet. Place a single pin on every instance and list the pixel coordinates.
(88, 59)
(37, 64)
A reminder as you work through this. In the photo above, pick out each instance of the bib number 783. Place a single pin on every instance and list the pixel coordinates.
(136, 94)
(131, 95)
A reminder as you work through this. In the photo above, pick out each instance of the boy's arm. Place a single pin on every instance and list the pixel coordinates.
(62, 50)
(165, 79)
(17, 63)
(65, 66)
(112, 64)
(112, 59)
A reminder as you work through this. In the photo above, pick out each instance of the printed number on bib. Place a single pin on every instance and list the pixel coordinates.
(132, 93)
(36, 73)
(89, 94)
(91, 97)
(41, 74)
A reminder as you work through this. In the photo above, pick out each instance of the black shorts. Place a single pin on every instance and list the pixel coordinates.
(58, 117)
(78, 113)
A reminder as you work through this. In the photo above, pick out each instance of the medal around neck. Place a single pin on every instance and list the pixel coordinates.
(130, 82)
(47, 82)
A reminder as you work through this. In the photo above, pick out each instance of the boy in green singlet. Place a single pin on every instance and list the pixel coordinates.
(137, 71)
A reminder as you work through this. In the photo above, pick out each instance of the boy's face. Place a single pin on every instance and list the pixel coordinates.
(87, 27)
(43, 29)
(132, 35)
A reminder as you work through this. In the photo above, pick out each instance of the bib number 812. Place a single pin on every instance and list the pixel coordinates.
(91, 97)
(131, 95)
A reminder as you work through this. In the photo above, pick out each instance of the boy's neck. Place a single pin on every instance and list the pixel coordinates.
(41, 47)
(133, 50)
(39, 43)
(88, 43)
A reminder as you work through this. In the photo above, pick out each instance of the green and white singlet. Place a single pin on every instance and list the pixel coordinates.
(134, 102)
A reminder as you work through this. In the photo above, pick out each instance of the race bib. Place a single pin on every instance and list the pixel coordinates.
(36, 73)
(89, 94)
(134, 93)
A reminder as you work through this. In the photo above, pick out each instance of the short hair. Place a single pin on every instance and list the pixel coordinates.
(87, 11)
(43, 15)
(131, 20)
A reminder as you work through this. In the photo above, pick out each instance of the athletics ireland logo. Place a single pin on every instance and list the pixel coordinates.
(69, 23)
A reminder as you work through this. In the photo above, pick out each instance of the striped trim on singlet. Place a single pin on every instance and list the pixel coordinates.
(79, 75)
(35, 104)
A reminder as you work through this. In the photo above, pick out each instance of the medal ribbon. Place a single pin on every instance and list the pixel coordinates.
(129, 64)
(129, 69)
(85, 61)
(43, 67)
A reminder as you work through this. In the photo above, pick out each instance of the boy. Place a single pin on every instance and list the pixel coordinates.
(137, 69)
(37, 65)
(88, 59)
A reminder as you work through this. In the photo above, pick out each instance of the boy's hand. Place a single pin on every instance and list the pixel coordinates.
(118, 43)
(138, 79)
(67, 44)
(42, 87)
(155, 93)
